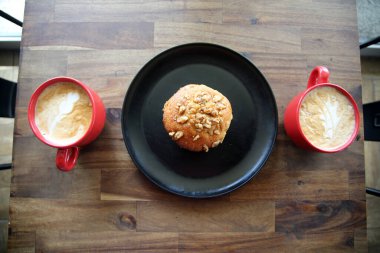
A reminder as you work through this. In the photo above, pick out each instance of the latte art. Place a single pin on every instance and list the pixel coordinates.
(327, 118)
(63, 113)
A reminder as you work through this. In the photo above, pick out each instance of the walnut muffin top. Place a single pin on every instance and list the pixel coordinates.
(197, 117)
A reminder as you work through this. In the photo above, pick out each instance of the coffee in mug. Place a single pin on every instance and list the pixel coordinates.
(63, 113)
(327, 117)
(324, 117)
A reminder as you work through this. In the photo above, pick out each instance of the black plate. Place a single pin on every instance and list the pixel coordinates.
(248, 142)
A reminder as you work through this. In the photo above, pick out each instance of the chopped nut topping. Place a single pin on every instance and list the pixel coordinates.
(215, 120)
(207, 125)
(221, 106)
(199, 126)
(217, 98)
(178, 135)
(216, 143)
(206, 97)
(182, 109)
(207, 110)
(198, 100)
(182, 119)
(204, 112)
(199, 116)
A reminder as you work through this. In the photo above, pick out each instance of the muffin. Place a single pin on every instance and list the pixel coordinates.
(197, 117)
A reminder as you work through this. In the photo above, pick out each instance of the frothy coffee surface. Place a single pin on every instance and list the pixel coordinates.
(327, 118)
(63, 113)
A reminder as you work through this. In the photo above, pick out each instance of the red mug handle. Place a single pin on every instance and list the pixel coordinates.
(320, 74)
(67, 158)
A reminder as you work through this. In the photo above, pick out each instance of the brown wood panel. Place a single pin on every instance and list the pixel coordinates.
(317, 41)
(39, 10)
(131, 184)
(278, 39)
(73, 215)
(106, 241)
(205, 216)
(272, 184)
(291, 12)
(43, 64)
(93, 35)
(108, 63)
(357, 184)
(22, 242)
(266, 242)
(209, 11)
(310, 217)
(232, 242)
(338, 241)
(43, 180)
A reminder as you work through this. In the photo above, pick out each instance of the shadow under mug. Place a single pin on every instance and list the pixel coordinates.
(67, 154)
(319, 77)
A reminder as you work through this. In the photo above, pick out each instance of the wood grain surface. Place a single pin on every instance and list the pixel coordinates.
(299, 202)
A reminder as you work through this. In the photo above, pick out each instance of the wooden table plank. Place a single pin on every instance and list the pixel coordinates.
(64, 214)
(335, 14)
(130, 184)
(300, 217)
(232, 242)
(209, 11)
(278, 39)
(300, 185)
(265, 242)
(23, 242)
(106, 241)
(89, 34)
(205, 216)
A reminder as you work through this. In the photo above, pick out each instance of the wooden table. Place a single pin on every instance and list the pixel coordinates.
(299, 202)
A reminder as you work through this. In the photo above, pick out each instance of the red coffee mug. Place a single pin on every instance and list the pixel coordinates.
(67, 155)
(318, 78)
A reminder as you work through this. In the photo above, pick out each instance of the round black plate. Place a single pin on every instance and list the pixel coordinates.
(248, 142)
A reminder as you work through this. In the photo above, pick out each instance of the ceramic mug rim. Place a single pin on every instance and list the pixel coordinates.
(356, 112)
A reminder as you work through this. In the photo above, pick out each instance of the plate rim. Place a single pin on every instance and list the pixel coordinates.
(131, 151)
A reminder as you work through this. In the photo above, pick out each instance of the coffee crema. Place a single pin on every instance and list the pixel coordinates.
(63, 113)
(327, 118)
